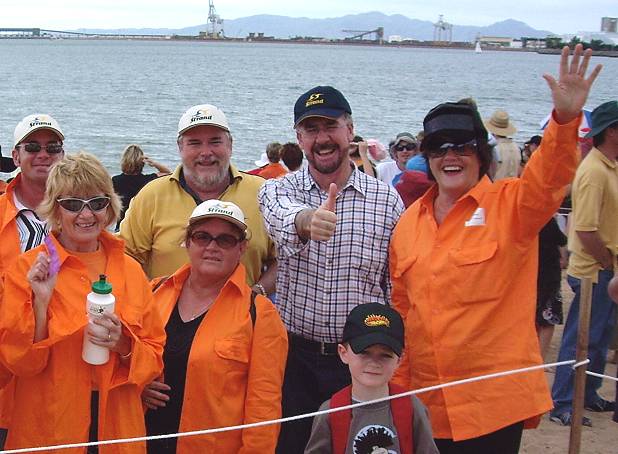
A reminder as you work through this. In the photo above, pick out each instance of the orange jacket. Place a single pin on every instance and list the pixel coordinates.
(467, 291)
(52, 383)
(9, 251)
(272, 170)
(235, 369)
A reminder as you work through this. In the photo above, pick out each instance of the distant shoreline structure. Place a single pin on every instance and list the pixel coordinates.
(330, 42)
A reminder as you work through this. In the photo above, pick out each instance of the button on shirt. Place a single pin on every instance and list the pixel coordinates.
(319, 282)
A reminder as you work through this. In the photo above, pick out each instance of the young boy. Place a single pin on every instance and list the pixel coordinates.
(373, 339)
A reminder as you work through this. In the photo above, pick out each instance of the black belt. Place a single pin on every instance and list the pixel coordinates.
(323, 348)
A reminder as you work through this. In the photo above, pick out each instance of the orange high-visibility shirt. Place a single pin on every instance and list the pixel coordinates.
(235, 369)
(53, 384)
(467, 292)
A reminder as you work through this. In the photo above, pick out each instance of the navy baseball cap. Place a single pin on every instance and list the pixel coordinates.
(373, 323)
(321, 101)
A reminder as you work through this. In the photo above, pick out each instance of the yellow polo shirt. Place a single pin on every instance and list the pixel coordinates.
(155, 222)
(595, 209)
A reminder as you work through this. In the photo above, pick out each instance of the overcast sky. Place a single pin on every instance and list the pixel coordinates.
(559, 16)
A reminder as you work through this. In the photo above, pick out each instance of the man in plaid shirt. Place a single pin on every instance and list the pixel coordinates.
(332, 226)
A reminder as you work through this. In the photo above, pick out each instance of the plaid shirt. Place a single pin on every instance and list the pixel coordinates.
(320, 282)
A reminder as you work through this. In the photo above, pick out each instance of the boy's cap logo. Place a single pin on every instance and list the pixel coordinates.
(314, 98)
(377, 320)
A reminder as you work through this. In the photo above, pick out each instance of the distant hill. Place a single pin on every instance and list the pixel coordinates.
(289, 27)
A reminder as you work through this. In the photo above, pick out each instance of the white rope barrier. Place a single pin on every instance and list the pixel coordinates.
(581, 363)
(594, 374)
(290, 418)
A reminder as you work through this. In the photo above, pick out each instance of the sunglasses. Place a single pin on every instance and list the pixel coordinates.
(407, 146)
(460, 149)
(224, 241)
(75, 205)
(35, 147)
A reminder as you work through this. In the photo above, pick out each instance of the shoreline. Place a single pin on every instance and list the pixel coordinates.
(328, 42)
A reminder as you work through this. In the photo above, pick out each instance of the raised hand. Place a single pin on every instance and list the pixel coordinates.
(571, 90)
(42, 281)
(324, 219)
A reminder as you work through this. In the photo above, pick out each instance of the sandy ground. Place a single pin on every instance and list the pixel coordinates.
(551, 438)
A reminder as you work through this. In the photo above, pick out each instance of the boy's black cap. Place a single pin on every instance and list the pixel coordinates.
(321, 101)
(603, 117)
(374, 323)
(456, 122)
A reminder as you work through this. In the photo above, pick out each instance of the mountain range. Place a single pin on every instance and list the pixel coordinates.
(332, 28)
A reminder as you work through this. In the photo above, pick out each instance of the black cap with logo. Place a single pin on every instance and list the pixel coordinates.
(321, 101)
(374, 323)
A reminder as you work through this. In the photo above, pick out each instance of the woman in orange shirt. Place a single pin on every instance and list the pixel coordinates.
(462, 260)
(226, 346)
(59, 398)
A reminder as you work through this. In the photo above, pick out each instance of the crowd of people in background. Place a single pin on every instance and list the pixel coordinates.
(325, 276)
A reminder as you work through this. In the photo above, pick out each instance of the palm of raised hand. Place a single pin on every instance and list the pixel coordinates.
(571, 90)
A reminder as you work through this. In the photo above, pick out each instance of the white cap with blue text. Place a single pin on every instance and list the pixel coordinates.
(202, 115)
(33, 123)
(215, 208)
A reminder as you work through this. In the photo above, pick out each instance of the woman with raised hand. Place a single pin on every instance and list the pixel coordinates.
(462, 260)
(226, 346)
(59, 398)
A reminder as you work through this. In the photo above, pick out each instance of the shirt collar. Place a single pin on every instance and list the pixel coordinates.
(475, 193)
(357, 180)
(608, 162)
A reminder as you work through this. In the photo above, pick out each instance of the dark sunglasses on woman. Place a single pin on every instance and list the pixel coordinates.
(224, 241)
(76, 205)
(460, 149)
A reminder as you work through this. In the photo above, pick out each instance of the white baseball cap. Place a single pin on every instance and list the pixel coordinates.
(202, 114)
(215, 208)
(33, 123)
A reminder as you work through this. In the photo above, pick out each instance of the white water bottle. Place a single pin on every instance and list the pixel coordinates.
(99, 301)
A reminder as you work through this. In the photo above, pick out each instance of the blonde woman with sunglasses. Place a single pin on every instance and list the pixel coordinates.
(43, 321)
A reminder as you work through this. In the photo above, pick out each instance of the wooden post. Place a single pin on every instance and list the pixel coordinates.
(581, 354)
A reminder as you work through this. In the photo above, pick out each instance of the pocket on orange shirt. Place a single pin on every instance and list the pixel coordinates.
(476, 279)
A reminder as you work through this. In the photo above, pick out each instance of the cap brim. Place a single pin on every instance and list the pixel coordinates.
(38, 128)
(360, 343)
(216, 125)
(229, 219)
(595, 131)
(322, 112)
(7, 165)
(451, 135)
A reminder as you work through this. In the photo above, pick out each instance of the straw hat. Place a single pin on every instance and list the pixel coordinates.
(500, 124)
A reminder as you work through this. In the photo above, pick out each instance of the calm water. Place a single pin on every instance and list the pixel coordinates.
(107, 94)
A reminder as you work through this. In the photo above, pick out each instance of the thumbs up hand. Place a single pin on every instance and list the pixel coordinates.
(324, 218)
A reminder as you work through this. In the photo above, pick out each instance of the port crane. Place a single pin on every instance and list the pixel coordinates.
(360, 34)
(215, 23)
(440, 27)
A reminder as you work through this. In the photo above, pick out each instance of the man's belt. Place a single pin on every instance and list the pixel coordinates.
(323, 348)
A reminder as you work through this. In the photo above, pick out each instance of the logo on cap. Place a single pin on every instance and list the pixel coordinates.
(315, 98)
(377, 320)
(201, 115)
(43, 121)
(221, 208)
